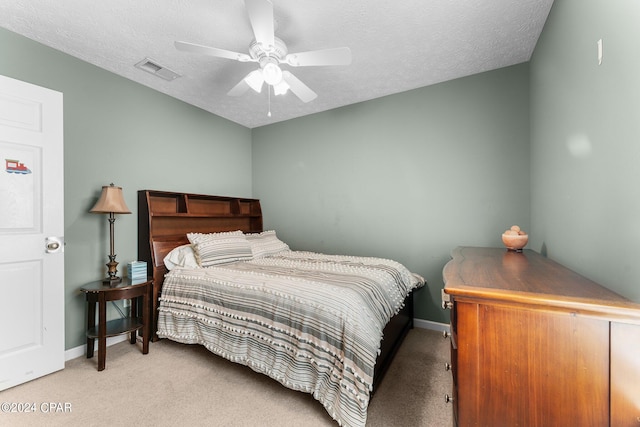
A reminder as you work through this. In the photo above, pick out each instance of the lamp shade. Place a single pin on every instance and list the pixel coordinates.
(111, 201)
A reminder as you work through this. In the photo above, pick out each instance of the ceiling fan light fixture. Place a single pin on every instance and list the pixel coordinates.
(272, 74)
(281, 88)
(255, 80)
(270, 52)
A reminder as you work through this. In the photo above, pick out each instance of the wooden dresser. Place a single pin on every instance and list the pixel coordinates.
(535, 344)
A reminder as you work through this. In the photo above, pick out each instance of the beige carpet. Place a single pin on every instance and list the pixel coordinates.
(180, 385)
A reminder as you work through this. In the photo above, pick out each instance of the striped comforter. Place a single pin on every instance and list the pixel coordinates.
(313, 322)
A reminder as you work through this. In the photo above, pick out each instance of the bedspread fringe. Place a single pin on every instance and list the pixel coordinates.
(282, 379)
(367, 382)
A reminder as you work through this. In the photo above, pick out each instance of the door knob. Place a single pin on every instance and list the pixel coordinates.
(54, 244)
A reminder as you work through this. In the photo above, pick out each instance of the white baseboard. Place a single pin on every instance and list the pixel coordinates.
(81, 350)
(434, 326)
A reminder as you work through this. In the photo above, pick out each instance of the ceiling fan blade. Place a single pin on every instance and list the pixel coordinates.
(261, 16)
(335, 56)
(213, 51)
(253, 80)
(300, 89)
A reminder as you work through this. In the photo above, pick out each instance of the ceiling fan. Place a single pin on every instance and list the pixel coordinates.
(271, 53)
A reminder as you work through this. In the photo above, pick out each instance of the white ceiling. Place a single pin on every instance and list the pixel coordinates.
(396, 45)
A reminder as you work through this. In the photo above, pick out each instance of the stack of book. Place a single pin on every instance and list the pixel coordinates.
(137, 270)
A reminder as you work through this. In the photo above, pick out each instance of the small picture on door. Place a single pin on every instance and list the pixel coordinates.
(18, 187)
(15, 166)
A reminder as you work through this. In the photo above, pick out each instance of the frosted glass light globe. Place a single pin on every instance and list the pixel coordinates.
(272, 74)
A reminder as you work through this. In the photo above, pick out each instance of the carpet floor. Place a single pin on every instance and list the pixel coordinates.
(180, 385)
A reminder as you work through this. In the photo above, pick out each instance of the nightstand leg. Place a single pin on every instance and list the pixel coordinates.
(133, 304)
(102, 332)
(146, 320)
(91, 323)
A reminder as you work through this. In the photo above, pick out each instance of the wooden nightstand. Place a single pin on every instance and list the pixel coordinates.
(97, 292)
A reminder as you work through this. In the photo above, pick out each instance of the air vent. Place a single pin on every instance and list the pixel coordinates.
(151, 66)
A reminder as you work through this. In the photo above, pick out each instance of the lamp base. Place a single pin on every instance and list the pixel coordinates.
(112, 268)
(112, 281)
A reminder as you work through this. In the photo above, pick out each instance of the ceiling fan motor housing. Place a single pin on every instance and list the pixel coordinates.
(263, 53)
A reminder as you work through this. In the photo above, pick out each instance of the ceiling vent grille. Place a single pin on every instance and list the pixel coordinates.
(151, 66)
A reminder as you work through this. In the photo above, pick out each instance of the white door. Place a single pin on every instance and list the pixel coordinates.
(31, 232)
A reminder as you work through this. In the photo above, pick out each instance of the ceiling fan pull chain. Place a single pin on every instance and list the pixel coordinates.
(269, 100)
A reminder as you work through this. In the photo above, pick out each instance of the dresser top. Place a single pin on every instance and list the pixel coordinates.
(527, 277)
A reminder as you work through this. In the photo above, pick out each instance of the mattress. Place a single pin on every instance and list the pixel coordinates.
(311, 321)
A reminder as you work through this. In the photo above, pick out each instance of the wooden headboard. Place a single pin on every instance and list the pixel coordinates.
(165, 218)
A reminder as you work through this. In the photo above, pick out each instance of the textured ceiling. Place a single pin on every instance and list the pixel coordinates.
(396, 45)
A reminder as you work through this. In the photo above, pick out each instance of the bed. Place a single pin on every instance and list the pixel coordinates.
(328, 325)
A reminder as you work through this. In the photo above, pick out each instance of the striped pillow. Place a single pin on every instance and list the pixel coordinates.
(266, 244)
(219, 248)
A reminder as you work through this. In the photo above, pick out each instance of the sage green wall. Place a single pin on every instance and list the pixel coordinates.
(585, 141)
(409, 176)
(122, 132)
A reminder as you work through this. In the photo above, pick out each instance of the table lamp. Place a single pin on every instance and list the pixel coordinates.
(111, 202)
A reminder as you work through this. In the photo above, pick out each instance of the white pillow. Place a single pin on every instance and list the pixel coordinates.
(182, 256)
(219, 248)
(266, 244)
